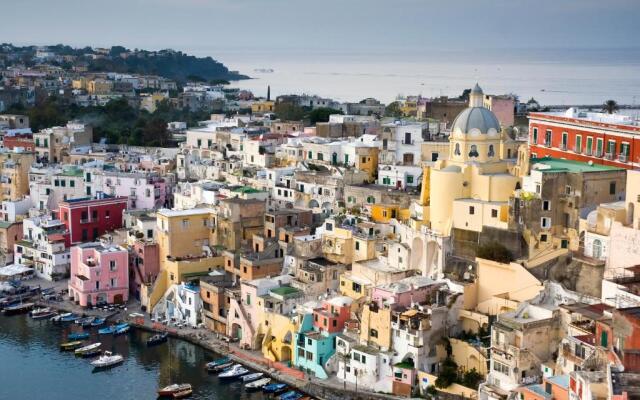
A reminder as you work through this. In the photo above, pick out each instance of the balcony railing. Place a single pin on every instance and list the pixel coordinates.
(608, 156)
(623, 158)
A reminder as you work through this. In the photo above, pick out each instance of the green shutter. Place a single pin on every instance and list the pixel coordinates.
(578, 148)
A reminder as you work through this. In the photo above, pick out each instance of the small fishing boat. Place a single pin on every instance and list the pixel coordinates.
(252, 377)
(274, 388)
(91, 354)
(291, 395)
(78, 336)
(97, 321)
(234, 372)
(215, 363)
(20, 308)
(84, 320)
(69, 318)
(58, 317)
(87, 349)
(121, 329)
(157, 339)
(107, 331)
(220, 367)
(183, 393)
(107, 360)
(39, 311)
(68, 346)
(169, 391)
(44, 315)
(255, 385)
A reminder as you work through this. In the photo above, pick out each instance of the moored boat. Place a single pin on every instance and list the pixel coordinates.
(78, 336)
(252, 377)
(121, 329)
(46, 315)
(38, 311)
(107, 360)
(97, 321)
(69, 317)
(169, 391)
(58, 317)
(215, 363)
(84, 320)
(220, 367)
(157, 339)
(91, 354)
(86, 349)
(107, 331)
(21, 308)
(274, 388)
(291, 395)
(256, 385)
(68, 346)
(234, 372)
(183, 393)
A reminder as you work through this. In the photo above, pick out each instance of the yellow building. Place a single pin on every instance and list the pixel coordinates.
(99, 86)
(337, 244)
(476, 175)
(375, 326)
(367, 160)
(79, 84)
(261, 107)
(386, 212)
(14, 174)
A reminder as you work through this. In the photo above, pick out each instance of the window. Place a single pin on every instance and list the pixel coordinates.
(599, 147)
(547, 137)
(63, 183)
(611, 149)
(589, 150)
(409, 179)
(320, 157)
(185, 223)
(357, 245)
(94, 214)
(199, 142)
(356, 287)
(578, 146)
(334, 323)
(565, 140)
(56, 183)
(107, 214)
(494, 213)
(543, 237)
(612, 188)
(371, 199)
(546, 205)
(500, 367)
(535, 136)
(472, 210)
(112, 265)
(373, 333)
(310, 155)
(72, 183)
(545, 222)
(248, 299)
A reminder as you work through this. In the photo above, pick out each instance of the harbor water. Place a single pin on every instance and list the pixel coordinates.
(32, 367)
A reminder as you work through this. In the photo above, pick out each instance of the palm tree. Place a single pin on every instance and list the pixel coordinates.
(610, 106)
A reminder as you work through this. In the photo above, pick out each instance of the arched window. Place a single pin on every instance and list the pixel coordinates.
(491, 152)
(457, 149)
(597, 248)
(474, 151)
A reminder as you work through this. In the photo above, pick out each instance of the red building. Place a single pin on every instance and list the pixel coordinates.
(88, 218)
(606, 139)
(333, 314)
(24, 140)
(626, 323)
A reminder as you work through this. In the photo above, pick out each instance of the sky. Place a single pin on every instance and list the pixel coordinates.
(321, 25)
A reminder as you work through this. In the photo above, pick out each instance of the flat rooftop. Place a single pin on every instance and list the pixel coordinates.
(549, 164)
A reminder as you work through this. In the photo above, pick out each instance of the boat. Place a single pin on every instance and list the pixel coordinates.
(121, 330)
(78, 336)
(84, 320)
(252, 377)
(87, 349)
(107, 331)
(97, 321)
(183, 393)
(157, 339)
(169, 391)
(58, 317)
(38, 311)
(234, 372)
(21, 308)
(274, 387)
(255, 385)
(220, 367)
(46, 315)
(107, 360)
(215, 363)
(291, 395)
(91, 354)
(68, 346)
(69, 318)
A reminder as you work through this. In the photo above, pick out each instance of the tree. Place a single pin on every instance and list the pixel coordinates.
(495, 251)
(289, 112)
(393, 110)
(155, 133)
(448, 373)
(322, 114)
(472, 379)
(610, 106)
(465, 95)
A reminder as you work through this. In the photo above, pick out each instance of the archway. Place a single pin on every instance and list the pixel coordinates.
(313, 203)
(286, 353)
(118, 299)
(326, 208)
(236, 331)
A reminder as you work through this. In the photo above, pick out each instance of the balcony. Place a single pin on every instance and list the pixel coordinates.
(608, 156)
(547, 143)
(623, 158)
(563, 146)
(577, 149)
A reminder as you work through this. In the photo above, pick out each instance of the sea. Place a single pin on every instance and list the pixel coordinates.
(33, 368)
(551, 76)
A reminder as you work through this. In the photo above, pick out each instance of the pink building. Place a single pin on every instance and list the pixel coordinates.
(403, 293)
(333, 314)
(99, 273)
(503, 107)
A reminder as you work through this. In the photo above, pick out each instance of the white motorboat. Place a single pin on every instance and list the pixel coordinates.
(255, 385)
(252, 377)
(107, 360)
(233, 372)
(87, 349)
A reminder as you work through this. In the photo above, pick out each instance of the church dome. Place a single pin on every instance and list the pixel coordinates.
(476, 118)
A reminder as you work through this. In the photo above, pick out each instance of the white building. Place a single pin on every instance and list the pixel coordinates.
(399, 176)
(43, 247)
